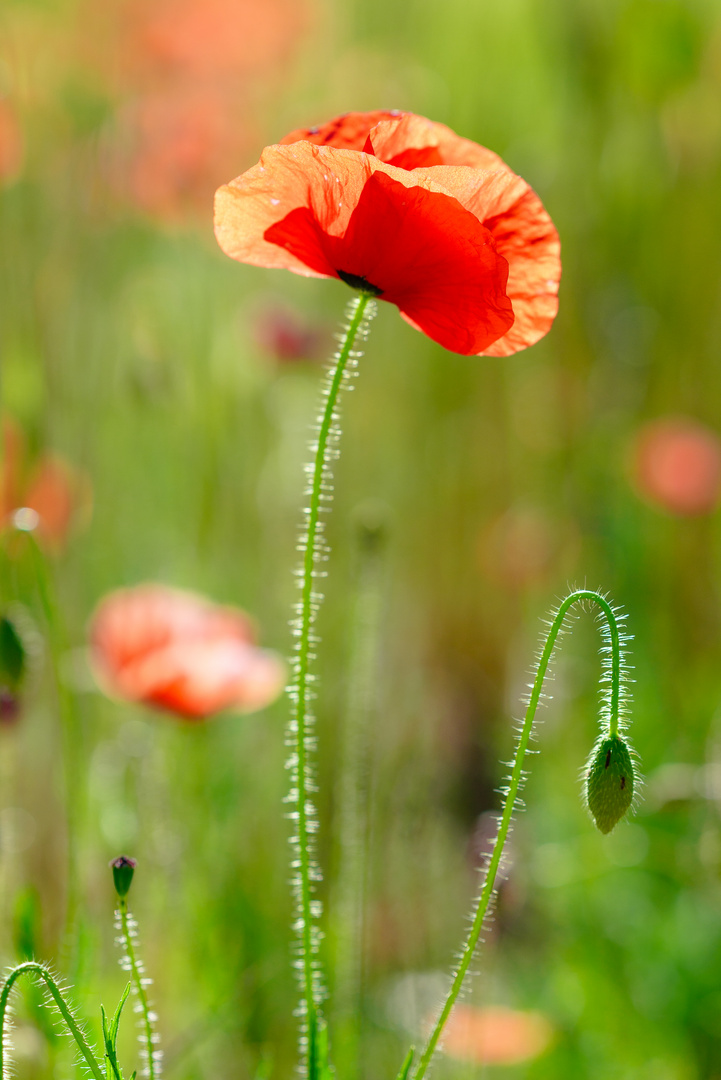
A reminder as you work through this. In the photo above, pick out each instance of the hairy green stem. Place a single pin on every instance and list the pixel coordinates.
(515, 781)
(30, 967)
(136, 974)
(311, 544)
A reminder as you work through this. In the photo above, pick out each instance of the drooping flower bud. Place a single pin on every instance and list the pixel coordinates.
(123, 869)
(609, 782)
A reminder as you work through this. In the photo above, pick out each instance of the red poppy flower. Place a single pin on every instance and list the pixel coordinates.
(177, 651)
(403, 208)
(677, 466)
(172, 145)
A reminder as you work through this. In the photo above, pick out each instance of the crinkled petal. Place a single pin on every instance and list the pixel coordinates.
(411, 142)
(524, 233)
(347, 132)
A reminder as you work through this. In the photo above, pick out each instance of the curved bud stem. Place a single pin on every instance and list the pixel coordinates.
(30, 967)
(306, 872)
(613, 680)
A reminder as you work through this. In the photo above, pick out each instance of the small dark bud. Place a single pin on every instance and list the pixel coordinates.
(123, 869)
(609, 782)
(12, 655)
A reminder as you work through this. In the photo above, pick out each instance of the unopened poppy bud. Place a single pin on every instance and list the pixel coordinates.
(609, 782)
(123, 869)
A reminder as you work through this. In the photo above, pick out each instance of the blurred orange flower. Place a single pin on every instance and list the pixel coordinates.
(179, 652)
(676, 466)
(406, 209)
(208, 40)
(172, 146)
(193, 76)
(11, 142)
(50, 487)
(495, 1036)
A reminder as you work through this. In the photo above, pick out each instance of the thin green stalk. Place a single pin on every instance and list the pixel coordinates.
(135, 967)
(352, 788)
(71, 736)
(613, 678)
(30, 967)
(314, 551)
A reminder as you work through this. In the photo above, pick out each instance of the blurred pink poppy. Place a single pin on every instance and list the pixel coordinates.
(495, 1036)
(676, 466)
(11, 142)
(179, 652)
(50, 487)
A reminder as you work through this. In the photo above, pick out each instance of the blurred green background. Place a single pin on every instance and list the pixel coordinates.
(133, 348)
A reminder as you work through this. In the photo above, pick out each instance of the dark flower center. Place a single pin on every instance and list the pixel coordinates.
(357, 282)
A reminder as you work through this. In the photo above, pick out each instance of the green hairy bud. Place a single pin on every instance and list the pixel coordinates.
(609, 782)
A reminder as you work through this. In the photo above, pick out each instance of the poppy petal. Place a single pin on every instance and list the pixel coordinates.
(286, 179)
(525, 235)
(347, 132)
(198, 678)
(430, 257)
(413, 142)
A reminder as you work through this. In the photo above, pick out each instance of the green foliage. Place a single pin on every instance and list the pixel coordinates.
(405, 1070)
(110, 1038)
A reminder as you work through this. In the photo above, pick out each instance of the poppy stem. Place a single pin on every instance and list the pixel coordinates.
(325, 450)
(613, 679)
(30, 967)
(131, 963)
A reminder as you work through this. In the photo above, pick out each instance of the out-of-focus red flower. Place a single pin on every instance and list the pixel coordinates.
(287, 336)
(177, 651)
(172, 145)
(676, 466)
(192, 77)
(401, 207)
(11, 142)
(208, 40)
(50, 486)
(495, 1036)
